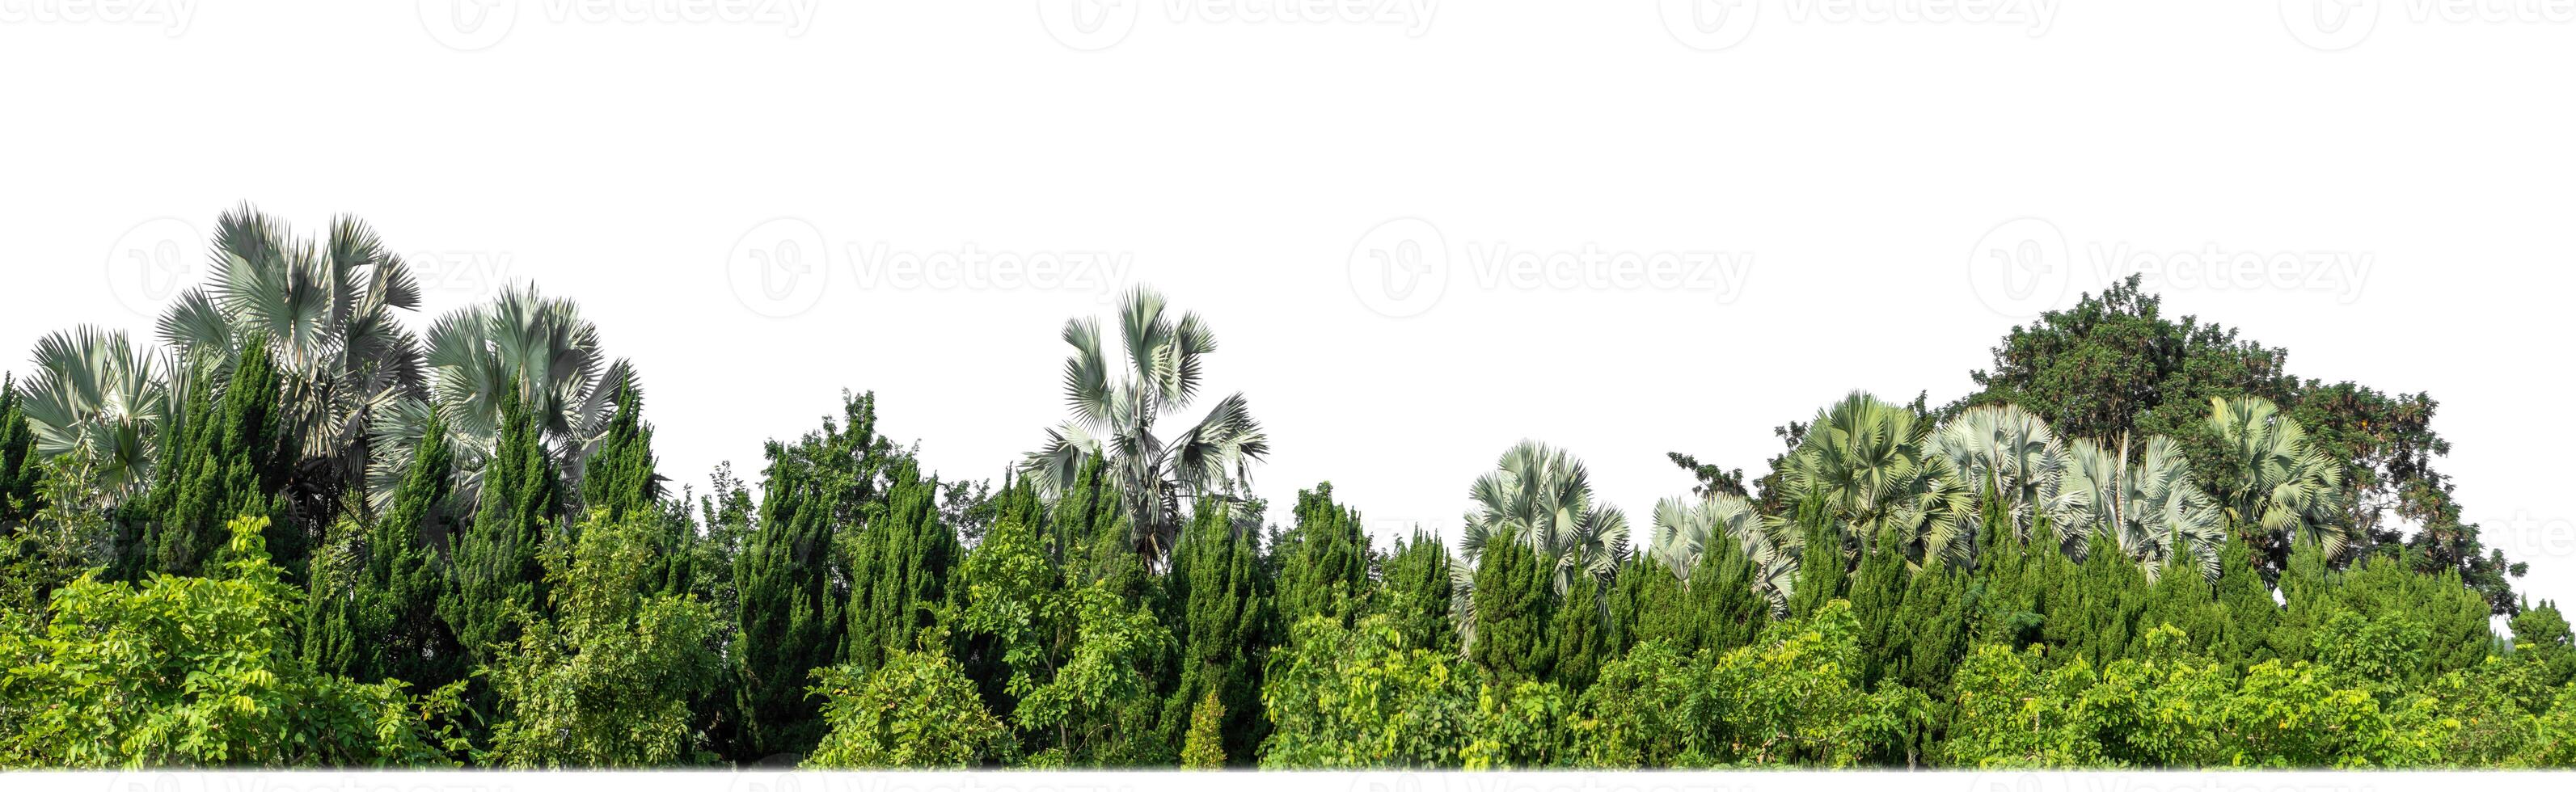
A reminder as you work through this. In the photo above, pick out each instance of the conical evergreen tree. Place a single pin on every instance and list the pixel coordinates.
(496, 578)
(1224, 629)
(790, 587)
(227, 459)
(19, 468)
(1512, 598)
(373, 615)
(1324, 569)
(1415, 594)
(900, 557)
(2246, 607)
(1822, 564)
(1877, 594)
(1579, 635)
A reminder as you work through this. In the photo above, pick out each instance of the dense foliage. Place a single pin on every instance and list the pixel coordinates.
(304, 536)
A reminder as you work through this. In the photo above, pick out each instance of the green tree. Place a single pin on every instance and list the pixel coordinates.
(496, 576)
(917, 709)
(1114, 416)
(1204, 747)
(791, 595)
(1513, 605)
(1359, 697)
(1324, 559)
(899, 555)
(1223, 630)
(373, 614)
(226, 460)
(197, 671)
(20, 467)
(1414, 593)
(612, 679)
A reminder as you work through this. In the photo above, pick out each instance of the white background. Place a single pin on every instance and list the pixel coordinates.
(1865, 162)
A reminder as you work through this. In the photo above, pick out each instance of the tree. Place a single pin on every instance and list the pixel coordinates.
(524, 349)
(1539, 498)
(2271, 484)
(791, 596)
(496, 574)
(227, 459)
(197, 671)
(95, 394)
(900, 556)
(20, 467)
(1204, 748)
(1324, 559)
(1866, 465)
(2010, 456)
(611, 680)
(1224, 630)
(1114, 416)
(1513, 603)
(915, 710)
(327, 314)
(2150, 511)
(1358, 697)
(1414, 593)
(373, 615)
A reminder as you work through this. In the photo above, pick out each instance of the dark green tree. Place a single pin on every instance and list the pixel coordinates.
(19, 468)
(228, 458)
(373, 614)
(1414, 593)
(899, 556)
(1225, 629)
(1324, 561)
(1513, 597)
(496, 577)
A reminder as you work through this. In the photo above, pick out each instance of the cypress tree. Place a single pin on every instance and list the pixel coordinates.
(1325, 571)
(226, 459)
(1877, 592)
(373, 615)
(495, 575)
(1578, 635)
(1416, 591)
(1821, 563)
(619, 477)
(790, 586)
(2246, 607)
(1721, 610)
(899, 565)
(1935, 625)
(1223, 630)
(1512, 598)
(19, 468)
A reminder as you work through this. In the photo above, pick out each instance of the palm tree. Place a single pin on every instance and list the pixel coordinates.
(1682, 531)
(2151, 509)
(95, 396)
(2009, 454)
(2273, 480)
(1865, 463)
(328, 313)
(1114, 416)
(521, 342)
(1540, 497)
